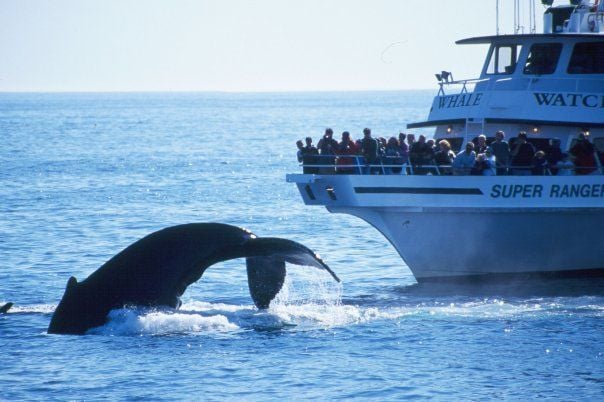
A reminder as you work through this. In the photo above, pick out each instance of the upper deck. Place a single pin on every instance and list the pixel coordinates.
(554, 78)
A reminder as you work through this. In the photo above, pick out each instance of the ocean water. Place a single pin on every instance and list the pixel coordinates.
(84, 175)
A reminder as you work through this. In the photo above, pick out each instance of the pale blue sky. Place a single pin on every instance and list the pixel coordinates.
(239, 45)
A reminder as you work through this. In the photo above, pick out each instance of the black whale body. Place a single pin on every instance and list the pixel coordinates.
(156, 270)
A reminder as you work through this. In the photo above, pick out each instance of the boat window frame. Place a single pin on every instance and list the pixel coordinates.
(455, 142)
(598, 143)
(540, 143)
(494, 56)
(551, 65)
(569, 67)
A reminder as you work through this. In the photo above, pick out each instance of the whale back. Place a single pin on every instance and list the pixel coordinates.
(157, 269)
(154, 271)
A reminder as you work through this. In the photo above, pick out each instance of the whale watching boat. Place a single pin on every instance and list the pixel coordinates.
(549, 85)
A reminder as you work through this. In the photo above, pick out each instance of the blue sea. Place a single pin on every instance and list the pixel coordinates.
(83, 175)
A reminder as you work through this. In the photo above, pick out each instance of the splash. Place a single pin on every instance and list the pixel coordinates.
(155, 322)
(310, 300)
(33, 309)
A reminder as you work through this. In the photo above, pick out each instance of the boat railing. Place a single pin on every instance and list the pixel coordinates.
(465, 85)
(525, 83)
(391, 165)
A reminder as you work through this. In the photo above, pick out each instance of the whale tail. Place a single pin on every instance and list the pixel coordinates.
(265, 277)
(4, 309)
(266, 258)
(157, 269)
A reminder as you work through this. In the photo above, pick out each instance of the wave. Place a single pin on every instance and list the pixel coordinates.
(31, 308)
(204, 318)
(316, 303)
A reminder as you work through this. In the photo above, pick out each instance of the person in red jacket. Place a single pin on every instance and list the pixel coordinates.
(584, 154)
(346, 164)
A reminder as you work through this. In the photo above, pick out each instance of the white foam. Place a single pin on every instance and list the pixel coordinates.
(33, 308)
(155, 322)
(311, 300)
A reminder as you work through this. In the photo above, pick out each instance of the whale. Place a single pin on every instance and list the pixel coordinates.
(157, 269)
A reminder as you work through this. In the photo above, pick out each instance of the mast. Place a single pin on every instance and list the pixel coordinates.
(497, 16)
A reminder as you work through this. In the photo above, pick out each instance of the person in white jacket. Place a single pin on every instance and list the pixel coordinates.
(465, 160)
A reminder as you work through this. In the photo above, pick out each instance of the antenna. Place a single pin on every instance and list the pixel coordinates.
(516, 16)
(521, 15)
(497, 16)
(533, 21)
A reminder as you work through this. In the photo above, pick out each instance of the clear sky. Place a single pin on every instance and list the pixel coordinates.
(240, 45)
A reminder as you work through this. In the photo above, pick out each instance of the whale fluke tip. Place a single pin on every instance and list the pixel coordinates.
(4, 309)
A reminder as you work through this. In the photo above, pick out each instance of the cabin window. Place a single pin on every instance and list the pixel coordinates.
(540, 144)
(455, 143)
(587, 58)
(502, 59)
(599, 144)
(543, 58)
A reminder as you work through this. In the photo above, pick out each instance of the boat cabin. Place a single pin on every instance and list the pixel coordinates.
(549, 85)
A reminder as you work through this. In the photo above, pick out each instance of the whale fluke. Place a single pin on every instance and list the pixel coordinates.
(266, 266)
(156, 271)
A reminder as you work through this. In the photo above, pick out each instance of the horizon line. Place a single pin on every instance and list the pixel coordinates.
(143, 91)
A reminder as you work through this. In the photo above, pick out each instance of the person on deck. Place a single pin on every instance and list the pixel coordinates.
(584, 153)
(300, 146)
(403, 148)
(464, 161)
(553, 154)
(346, 164)
(420, 154)
(327, 149)
(481, 144)
(540, 164)
(410, 141)
(369, 149)
(501, 151)
(522, 155)
(392, 156)
(309, 157)
(444, 157)
(564, 166)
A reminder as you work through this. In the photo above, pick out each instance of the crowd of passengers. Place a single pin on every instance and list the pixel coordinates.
(406, 155)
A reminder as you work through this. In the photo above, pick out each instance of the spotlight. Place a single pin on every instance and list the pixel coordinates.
(449, 129)
(536, 130)
(446, 75)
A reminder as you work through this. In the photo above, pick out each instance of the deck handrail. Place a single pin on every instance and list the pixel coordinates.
(359, 167)
(530, 81)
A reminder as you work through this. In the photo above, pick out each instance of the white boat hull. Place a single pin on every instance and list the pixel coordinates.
(466, 227)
